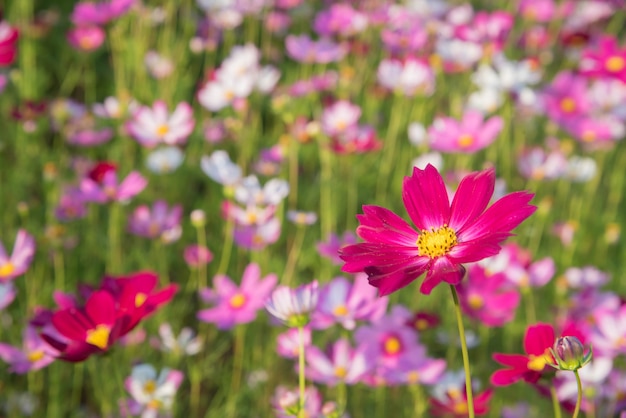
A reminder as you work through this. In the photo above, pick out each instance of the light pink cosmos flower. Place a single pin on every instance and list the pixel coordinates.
(537, 10)
(154, 125)
(286, 402)
(489, 29)
(415, 367)
(342, 363)
(197, 255)
(472, 133)
(293, 306)
(340, 19)
(236, 305)
(21, 257)
(157, 222)
(101, 186)
(35, 355)
(408, 77)
(345, 302)
(609, 336)
(448, 235)
(288, 343)
(340, 117)
(7, 294)
(152, 392)
(489, 299)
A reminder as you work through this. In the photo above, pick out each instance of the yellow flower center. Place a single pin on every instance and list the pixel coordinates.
(34, 356)
(588, 136)
(461, 408)
(392, 345)
(475, 301)
(237, 301)
(436, 242)
(340, 372)
(568, 105)
(421, 324)
(6, 269)
(615, 64)
(413, 377)
(465, 140)
(162, 130)
(99, 336)
(149, 387)
(340, 310)
(537, 363)
(140, 299)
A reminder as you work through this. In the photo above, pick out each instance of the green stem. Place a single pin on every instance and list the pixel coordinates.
(202, 273)
(466, 365)
(555, 402)
(418, 399)
(294, 147)
(579, 399)
(531, 318)
(326, 184)
(228, 246)
(115, 256)
(294, 253)
(389, 149)
(342, 397)
(301, 373)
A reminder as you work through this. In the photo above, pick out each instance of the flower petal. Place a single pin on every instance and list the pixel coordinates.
(426, 199)
(471, 198)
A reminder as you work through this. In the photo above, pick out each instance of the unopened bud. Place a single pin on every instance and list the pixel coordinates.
(569, 353)
(198, 218)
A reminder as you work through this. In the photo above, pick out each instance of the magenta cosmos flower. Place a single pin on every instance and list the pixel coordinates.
(448, 235)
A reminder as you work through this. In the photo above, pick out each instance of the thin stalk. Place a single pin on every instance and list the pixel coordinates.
(202, 273)
(466, 365)
(389, 149)
(326, 185)
(228, 246)
(115, 257)
(294, 147)
(301, 373)
(418, 399)
(555, 402)
(531, 318)
(342, 397)
(579, 399)
(294, 253)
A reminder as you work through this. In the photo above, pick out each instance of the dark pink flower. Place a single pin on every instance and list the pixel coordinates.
(448, 235)
(8, 43)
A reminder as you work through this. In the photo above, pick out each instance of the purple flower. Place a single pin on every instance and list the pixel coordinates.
(160, 222)
(342, 363)
(343, 302)
(236, 305)
(35, 355)
(21, 257)
(303, 49)
(330, 248)
(88, 13)
(414, 368)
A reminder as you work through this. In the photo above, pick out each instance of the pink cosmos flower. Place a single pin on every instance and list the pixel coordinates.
(537, 10)
(21, 257)
(236, 305)
(448, 235)
(416, 367)
(450, 397)
(293, 306)
(101, 13)
(607, 59)
(609, 336)
(151, 126)
(341, 364)
(286, 401)
(340, 19)
(487, 298)
(35, 355)
(343, 302)
(566, 97)
(340, 117)
(330, 248)
(86, 38)
(8, 43)
(303, 49)
(101, 185)
(196, 255)
(489, 29)
(158, 222)
(472, 133)
(409, 77)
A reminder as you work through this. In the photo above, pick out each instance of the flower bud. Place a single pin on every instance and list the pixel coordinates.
(569, 353)
(198, 218)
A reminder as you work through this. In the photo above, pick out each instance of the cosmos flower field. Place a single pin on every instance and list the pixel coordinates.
(320, 209)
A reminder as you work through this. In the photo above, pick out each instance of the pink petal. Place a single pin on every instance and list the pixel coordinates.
(471, 198)
(538, 338)
(426, 199)
(381, 225)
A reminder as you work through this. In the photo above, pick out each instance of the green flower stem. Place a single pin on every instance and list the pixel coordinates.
(294, 253)
(294, 148)
(579, 399)
(301, 373)
(555, 402)
(342, 397)
(326, 192)
(531, 317)
(195, 376)
(202, 273)
(389, 148)
(115, 256)
(466, 365)
(228, 246)
(419, 403)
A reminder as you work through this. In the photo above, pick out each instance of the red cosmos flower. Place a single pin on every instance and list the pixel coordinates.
(109, 313)
(538, 341)
(394, 254)
(8, 43)
(529, 367)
